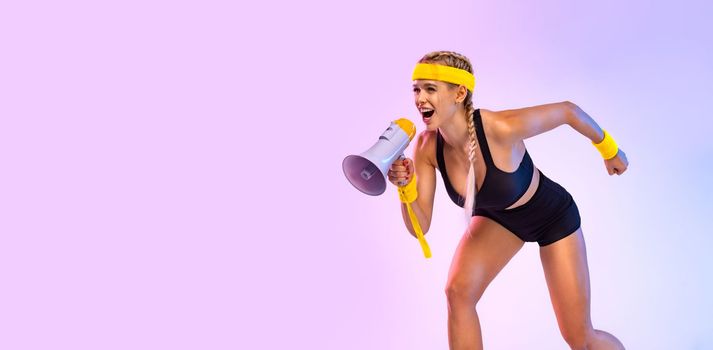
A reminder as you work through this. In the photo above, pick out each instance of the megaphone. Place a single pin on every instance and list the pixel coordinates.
(367, 171)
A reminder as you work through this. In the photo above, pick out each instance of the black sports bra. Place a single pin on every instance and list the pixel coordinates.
(500, 189)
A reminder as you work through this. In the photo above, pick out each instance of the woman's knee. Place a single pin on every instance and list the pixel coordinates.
(463, 293)
(577, 338)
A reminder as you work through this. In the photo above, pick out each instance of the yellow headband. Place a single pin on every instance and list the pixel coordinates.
(444, 73)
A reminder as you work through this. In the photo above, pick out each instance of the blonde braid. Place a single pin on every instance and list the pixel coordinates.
(470, 180)
(454, 59)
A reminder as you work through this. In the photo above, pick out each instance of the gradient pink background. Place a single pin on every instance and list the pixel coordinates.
(171, 171)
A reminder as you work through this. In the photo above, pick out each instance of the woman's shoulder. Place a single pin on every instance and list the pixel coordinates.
(426, 146)
(495, 124)
(426, 139)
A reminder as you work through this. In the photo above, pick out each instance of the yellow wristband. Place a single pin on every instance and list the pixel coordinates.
(608, 147)
(408, 193)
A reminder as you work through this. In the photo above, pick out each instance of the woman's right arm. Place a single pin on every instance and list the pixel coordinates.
(422, 165)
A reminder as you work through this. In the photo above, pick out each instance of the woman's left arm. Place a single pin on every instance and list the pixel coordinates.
(520, 124)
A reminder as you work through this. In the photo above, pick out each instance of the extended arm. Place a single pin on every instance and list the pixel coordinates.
(519, 124)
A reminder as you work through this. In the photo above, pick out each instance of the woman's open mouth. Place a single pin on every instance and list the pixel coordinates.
(427, 114)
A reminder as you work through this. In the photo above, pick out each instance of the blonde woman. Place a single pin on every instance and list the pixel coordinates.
(486, 169)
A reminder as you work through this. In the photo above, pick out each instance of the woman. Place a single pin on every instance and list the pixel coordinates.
(482, 157)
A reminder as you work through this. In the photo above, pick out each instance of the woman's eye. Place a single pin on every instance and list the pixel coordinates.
(431, 89)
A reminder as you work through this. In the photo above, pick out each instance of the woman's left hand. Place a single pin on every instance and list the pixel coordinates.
(618, 164)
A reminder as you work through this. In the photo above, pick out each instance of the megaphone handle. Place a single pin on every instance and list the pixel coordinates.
(401, 157)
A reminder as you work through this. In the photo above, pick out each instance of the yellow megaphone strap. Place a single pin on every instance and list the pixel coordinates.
(419, 232)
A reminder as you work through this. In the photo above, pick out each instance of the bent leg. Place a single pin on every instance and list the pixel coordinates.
(567, 274)
(484, 250)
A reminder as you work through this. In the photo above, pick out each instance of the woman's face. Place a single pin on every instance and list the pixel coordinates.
(436, 101)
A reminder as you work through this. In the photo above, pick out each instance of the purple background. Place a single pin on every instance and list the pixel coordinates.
(171, 171)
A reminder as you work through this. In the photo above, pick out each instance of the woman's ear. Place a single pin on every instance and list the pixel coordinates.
(461, 94)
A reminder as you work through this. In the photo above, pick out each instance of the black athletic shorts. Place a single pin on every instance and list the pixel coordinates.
(547, 217)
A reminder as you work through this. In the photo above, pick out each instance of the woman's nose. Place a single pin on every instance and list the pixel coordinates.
(420, 98)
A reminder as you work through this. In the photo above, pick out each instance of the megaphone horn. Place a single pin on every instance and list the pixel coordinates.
(367, 171)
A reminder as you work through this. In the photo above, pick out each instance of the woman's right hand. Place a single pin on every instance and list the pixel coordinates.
(618, 164)
(401, 172)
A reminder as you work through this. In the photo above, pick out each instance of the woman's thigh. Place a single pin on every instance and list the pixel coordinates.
(485, 248)
(567, 274)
